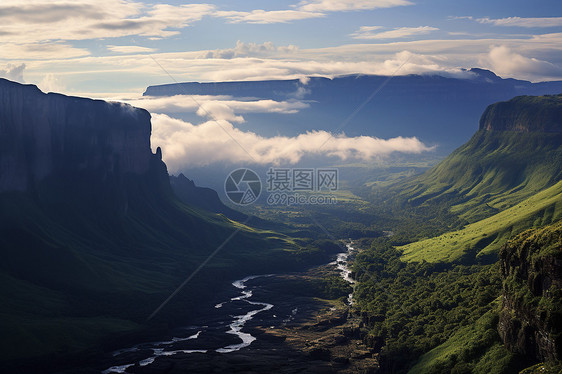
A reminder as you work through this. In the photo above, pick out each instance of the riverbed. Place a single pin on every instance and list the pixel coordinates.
(254, 302)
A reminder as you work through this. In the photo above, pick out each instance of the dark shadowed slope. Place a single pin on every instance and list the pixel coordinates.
(92, 237)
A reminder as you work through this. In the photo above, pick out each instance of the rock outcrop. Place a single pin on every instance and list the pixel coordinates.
(525, 114)
(531, 313)
(48, 134)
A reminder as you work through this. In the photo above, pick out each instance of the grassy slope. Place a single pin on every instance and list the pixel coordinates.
(492, 172)
(478, 344)
(499, 184)
(487, 236)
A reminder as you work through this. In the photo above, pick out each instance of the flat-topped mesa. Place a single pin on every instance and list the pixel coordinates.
(525, 114)
(44, 134)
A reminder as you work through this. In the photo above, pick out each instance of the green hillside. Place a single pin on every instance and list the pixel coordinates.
(487, 345)
(500, 166)
(488, 235)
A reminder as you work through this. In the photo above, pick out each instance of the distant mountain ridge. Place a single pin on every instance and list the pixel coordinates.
(439, 110)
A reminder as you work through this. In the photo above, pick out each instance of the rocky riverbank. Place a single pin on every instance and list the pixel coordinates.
(304, 331)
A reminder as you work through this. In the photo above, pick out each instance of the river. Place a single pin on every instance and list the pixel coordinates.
(224, 331)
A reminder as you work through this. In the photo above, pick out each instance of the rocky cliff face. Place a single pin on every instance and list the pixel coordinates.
(531, 313)
(45, 134)
(525, 114)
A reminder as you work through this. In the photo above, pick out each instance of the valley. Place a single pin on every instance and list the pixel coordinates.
(114, 266)
(290, 321)
(293, 187)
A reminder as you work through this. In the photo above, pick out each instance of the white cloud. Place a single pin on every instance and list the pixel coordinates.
(40, 51)
(184, 144)
(218, 111)
(128, 49)
(305, 10)
(51, 83)
(348, 5)
(506, 62)
(13, 72)
(193, 104)
(257, 61)
(40, 20)
(251, 49)
(263, 17)
(366, 32)
(523, 22)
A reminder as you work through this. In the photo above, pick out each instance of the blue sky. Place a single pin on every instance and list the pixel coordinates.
(121, 46)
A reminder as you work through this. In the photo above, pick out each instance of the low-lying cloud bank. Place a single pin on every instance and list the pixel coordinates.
(188, 145)
(215, 107)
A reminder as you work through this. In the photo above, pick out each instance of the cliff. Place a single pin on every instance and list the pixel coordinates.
(525, 114)
(49, 134)
(531, 311)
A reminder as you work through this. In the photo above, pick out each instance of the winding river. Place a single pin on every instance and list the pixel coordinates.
(232, 315)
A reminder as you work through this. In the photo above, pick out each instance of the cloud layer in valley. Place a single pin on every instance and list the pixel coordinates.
(188, 145)
(215, 107)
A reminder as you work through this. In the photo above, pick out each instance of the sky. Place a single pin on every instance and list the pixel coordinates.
(122, 46)
(114, 49)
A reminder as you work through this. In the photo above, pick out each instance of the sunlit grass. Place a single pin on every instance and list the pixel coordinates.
(488, 235)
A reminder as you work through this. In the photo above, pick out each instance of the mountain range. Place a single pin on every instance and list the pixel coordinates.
(439, 110)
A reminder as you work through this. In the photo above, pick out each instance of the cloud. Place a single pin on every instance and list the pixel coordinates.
(260, 62)
(40, 51)
(218, 111)
(184, 144)
(523, 22)
(306, 10)
(506, 62)
(41, 20)
(454, 18)
(251, 49)
(366, 32)
(51, 83)
(128, 49)
(13, 72)
(194, 103)
(348, 5)
(259, 16)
